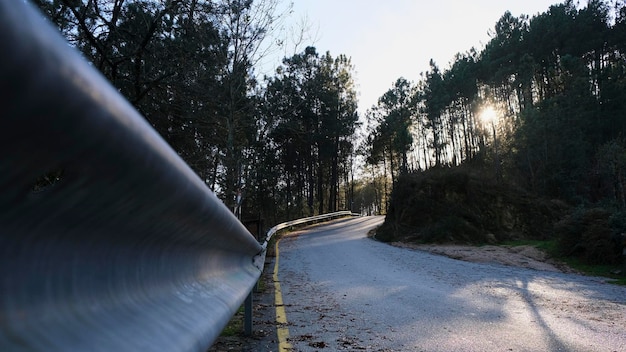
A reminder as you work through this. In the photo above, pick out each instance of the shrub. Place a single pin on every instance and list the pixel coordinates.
(452, 229)
(587, 234)
(461, 205)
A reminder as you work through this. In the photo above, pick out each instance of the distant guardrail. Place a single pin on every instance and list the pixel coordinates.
(260, 258)
(302, 221)
(108, 240)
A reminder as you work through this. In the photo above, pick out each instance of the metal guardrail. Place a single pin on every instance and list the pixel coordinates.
(108, 240)
(260, 258)
(311, 219)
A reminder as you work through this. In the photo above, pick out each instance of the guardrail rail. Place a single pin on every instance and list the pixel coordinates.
(108, 240)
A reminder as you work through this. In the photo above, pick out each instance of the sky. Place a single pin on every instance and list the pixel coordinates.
(390, 39)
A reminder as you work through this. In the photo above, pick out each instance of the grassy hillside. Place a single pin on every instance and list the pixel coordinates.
(466, 206)
(461, 205)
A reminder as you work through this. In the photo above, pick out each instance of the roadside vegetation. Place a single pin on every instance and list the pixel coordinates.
(466, 205)
(550, 247)
(521, 139)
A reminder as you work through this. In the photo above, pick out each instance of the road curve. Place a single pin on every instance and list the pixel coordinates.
(344, 291)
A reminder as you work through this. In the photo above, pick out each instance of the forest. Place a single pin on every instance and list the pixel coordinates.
(538, 114)
(543, 102)
(541, 106)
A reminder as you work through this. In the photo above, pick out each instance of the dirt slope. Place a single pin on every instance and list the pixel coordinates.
(520, 256)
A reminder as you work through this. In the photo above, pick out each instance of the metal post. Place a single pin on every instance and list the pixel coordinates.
(247, 318)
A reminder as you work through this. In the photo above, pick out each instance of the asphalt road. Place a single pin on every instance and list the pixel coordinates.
(344, 291)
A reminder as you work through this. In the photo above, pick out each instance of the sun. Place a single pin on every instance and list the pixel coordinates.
(488, 115)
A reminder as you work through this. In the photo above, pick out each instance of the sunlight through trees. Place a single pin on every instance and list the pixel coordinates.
(543, 102)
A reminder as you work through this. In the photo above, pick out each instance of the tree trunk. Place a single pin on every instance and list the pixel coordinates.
(320, 187)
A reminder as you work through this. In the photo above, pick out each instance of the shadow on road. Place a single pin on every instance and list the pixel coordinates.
(401, 298)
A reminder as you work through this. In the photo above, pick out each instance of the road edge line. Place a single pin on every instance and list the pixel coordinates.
(281, 317)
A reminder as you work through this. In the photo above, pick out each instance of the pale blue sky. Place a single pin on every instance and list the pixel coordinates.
(397, 38)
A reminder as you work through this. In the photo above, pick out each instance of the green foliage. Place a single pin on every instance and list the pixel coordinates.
(557, 80)
(310, 109)
(464, 205)
(611, 172)
(366, 199)
(617, 271)
(170, 59)
(187, 66)
(235, 324)
(588, 235)
(451, 229)
(558, 83)
(390, 123)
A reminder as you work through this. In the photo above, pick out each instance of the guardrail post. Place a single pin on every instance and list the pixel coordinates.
(247, 315)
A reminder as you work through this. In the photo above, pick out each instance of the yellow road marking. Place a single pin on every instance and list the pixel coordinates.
(281, 317)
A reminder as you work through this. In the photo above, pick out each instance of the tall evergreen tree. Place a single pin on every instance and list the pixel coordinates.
(391, 121)
(310, 106)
